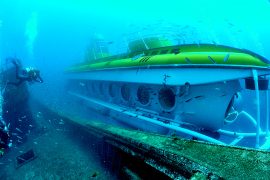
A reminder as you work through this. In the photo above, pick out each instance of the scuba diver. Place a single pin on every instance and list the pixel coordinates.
(5, 141)
(29, 74)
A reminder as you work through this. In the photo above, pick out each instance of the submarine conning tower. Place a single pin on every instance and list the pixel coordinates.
(97, 48)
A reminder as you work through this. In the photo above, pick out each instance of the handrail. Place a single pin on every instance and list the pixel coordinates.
(255, 77)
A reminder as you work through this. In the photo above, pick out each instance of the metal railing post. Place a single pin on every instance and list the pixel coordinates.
(256, 82)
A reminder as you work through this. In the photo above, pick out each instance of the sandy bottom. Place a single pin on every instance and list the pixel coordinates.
(57, 156)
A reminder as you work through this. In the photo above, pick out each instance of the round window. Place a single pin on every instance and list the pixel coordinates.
(143, 95)
(125, 92)
(166, 98)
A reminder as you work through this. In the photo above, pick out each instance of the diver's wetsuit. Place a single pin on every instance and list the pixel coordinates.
(24, 75)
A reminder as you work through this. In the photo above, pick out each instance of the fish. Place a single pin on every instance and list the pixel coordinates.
(188, 100)
(19, 137)
(231, 24)
(21, 158)
(197, 97)
(82, 84)
(188, 113)
(19, 130)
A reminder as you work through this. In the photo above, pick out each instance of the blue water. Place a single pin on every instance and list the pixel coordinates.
(52, 35)
(48, 32)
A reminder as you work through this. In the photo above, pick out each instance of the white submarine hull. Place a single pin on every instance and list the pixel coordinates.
(171, 75)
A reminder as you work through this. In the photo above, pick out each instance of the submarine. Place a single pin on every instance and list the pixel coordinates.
(192, 90)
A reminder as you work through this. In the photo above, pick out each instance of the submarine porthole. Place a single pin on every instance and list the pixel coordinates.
(112, 90)
(143, 95)
(166, 98)
(125, 92)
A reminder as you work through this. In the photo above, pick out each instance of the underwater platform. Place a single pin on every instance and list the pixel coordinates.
(171, 157)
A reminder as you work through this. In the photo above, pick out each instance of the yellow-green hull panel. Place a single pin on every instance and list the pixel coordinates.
(189, 55)
(239, 59)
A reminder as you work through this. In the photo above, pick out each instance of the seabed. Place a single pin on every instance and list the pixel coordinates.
(68, 147)
(57, 156)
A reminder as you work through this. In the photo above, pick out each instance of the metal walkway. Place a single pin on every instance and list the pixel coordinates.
(179, 158)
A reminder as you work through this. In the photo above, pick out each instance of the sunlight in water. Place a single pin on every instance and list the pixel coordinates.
(31, 32)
